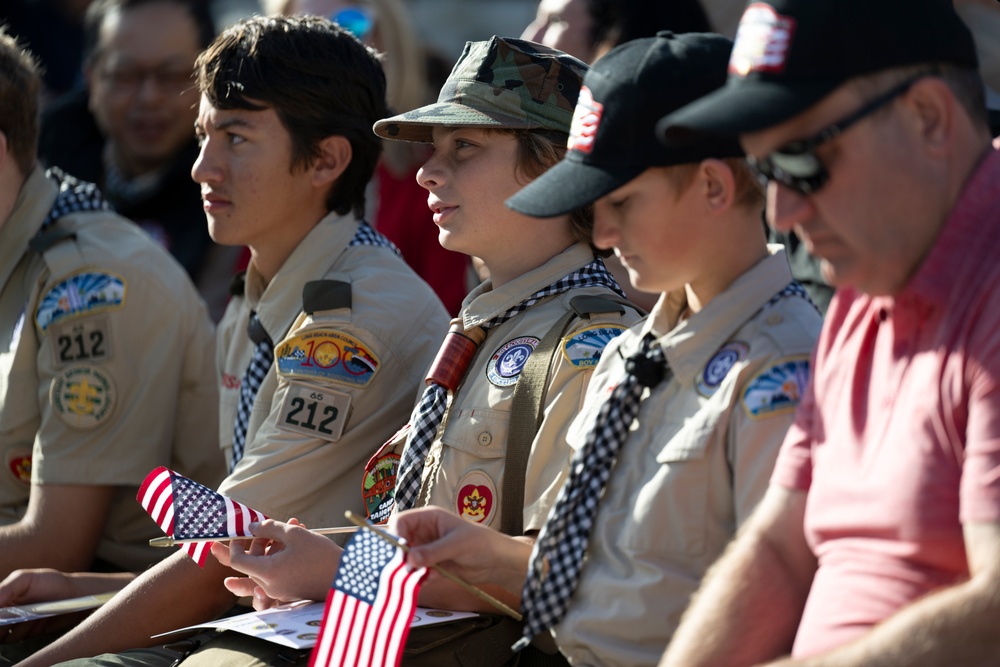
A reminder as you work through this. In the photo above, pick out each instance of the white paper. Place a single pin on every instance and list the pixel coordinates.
(31, 612)
(297, 624)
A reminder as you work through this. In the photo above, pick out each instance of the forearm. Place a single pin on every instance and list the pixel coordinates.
(171, 595)
(93, 583)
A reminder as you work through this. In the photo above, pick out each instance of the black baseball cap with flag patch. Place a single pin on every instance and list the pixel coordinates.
(790, 54)
(612, 136)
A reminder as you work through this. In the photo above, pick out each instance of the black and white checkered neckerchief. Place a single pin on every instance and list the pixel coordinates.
(366, 235)
(74, 195)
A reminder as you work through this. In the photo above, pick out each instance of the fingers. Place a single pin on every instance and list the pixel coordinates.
(221, 551)
(240, 586)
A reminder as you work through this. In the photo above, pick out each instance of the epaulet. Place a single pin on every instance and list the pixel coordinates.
(319, 295)
(238, 284)
(50, 236)
(586, 305)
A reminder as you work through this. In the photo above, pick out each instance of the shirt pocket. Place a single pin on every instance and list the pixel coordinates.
(469, 476)
(671, 504)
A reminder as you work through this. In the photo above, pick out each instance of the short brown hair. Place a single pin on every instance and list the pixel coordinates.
(318, 78)
(20, 86)
(748, 192)
(537, 151)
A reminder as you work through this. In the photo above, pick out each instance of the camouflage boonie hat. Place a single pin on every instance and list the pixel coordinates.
(502, 83)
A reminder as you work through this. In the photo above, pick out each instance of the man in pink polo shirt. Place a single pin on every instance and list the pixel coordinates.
(878, 542)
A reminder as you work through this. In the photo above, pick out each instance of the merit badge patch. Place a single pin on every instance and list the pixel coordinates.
(379, 486)
(762, 41)
(82, 396)
(327, 355)
(778, 389)
(81, 340)
(719, 365)
(586, 120)
(19, 463)
(476, 494)
(315, 412)
(82, 294)
(583, 349)
(507, 362)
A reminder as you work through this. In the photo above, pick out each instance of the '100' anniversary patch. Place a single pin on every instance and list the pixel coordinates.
(329, 355)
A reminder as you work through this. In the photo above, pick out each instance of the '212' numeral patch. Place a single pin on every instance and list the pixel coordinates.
(315, 412)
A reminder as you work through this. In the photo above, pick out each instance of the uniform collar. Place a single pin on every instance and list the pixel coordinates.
(484, 303)
(279, 302)
(31, 207)
(691, 343)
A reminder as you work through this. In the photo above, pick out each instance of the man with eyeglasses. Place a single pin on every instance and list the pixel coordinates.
(130, 131)
(878, 542)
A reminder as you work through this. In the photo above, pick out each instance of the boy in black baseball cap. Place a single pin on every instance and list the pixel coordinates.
(878, 540)
(661, 477)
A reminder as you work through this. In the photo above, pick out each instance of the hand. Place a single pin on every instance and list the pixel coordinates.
(285, 562)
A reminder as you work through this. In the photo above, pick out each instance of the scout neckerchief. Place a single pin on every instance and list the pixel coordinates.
(562, 542)
(74, 195)
(263, 351)
(429, 413)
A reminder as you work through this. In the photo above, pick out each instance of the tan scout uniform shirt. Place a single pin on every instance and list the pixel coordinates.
(309, 436)
(105, 367)
(695, 464)
(465, 467)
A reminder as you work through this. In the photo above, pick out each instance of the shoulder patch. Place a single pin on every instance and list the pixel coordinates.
(476, 499)
(315, 412)
(327, 355)
(88, 339)
(508, 361)
(777, 389)
(583, 349)
(81, 294)
(19, 463)
(719, 365)
(82, 396)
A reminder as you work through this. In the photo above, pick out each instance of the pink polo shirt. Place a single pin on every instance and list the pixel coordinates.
(898, 438)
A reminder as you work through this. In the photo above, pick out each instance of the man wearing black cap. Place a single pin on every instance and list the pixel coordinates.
(878, 542)
(685, 412)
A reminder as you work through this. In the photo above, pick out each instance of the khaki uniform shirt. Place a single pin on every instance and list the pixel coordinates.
(697, 460)
(465, 467)
(105, 367)
(342, 382)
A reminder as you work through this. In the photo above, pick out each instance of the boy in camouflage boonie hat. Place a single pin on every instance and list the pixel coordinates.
(502, 83)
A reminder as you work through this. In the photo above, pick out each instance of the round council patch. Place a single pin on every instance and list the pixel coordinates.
(508, 361)
(82, 396)
(19, 463)
(476, 495)
(719, 365)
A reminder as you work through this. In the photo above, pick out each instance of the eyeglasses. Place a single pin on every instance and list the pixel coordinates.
(356, 20)
(167, 79)
(796, 165)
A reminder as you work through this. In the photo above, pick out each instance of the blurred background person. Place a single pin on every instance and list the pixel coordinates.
(129, 130)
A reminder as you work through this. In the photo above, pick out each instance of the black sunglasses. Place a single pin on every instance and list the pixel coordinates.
(796, 165)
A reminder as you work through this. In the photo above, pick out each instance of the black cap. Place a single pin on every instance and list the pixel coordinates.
(790, 54)
(612, 137)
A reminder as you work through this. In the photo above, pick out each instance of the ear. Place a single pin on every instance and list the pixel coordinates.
(933, 110)
(335, 155)
(718, 185)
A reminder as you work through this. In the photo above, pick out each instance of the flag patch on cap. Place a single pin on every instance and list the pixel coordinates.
(762, 41)
(586, 119)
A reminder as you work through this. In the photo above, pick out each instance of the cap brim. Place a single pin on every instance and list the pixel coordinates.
(416, 125)
(568, 185)
(739, 107)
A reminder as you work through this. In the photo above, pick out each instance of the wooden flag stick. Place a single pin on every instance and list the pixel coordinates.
(169, 541)
(479, 593)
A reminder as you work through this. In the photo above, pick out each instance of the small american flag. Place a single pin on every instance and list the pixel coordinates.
(370, 606)
(185, 509)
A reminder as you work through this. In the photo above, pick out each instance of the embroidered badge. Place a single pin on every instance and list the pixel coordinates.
(379, 486)
(19, 463)
(762, 41)
(586, 119)
(476, 493)
(327, 355)
(778, 389)
(507, 362)
(81, 340)
(719, 365)
(82, 294)
(313, 411)
(583, 349)
(82, 396)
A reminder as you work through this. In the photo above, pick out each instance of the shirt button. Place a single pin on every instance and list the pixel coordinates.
(429, 461)
(485, 439)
